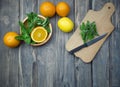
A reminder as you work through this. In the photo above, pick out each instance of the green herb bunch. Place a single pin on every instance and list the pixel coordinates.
(88, 31)
(32, 22)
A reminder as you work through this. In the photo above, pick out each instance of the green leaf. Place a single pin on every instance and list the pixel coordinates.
(28, 40)
(32, 42)
(47, 28)
(24, 34)
(88, 31)
(23, 28)
(45, 21)
(32, 22)
(19, 37)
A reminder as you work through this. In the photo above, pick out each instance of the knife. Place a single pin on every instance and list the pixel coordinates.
(87, 44)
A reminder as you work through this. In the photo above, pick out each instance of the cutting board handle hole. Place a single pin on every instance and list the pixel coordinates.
(109, 7)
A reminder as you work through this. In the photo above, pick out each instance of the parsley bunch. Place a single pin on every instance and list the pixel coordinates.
(88, 31)
(32, 22)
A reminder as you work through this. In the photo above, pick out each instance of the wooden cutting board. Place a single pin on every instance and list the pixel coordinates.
(102, 19)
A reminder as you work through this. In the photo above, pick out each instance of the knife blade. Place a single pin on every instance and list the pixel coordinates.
(87, 44)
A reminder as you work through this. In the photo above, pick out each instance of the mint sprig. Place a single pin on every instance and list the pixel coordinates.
(88, 31)
(24, 34)
(32, 22)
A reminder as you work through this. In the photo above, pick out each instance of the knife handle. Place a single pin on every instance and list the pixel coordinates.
(77, 48)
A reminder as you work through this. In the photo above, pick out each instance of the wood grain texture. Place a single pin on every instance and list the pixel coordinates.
(9, 12)
(115, 48)
(46, 58)
(100, 65)
(67, 78)
(54, 62)
(26, 52)
(103, 24)
(51, 65)
(65, 62)
(82, 70)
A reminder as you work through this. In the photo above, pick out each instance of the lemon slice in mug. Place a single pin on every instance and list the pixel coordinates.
(39, 34)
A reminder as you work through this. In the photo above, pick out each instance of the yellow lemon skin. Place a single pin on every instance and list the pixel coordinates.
(65, 24)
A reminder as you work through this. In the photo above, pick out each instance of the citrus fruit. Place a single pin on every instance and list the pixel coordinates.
(47, 9)
(65, 24)
(62, 9)
(9, 39)
(39, 34)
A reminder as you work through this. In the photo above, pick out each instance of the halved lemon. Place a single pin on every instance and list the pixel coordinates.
(39, 34)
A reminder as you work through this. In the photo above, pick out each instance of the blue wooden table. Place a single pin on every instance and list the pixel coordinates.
(51, 65)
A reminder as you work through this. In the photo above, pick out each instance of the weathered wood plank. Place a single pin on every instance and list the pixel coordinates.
(82, 70)
(52, 68)
(26, 52)
(100, 65)
(51, 65)
(46, 58)
(115, 48)
(9, 12)
(35, 75)
(65, 76)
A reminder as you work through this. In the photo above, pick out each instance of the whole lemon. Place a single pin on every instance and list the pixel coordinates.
(65, 24)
